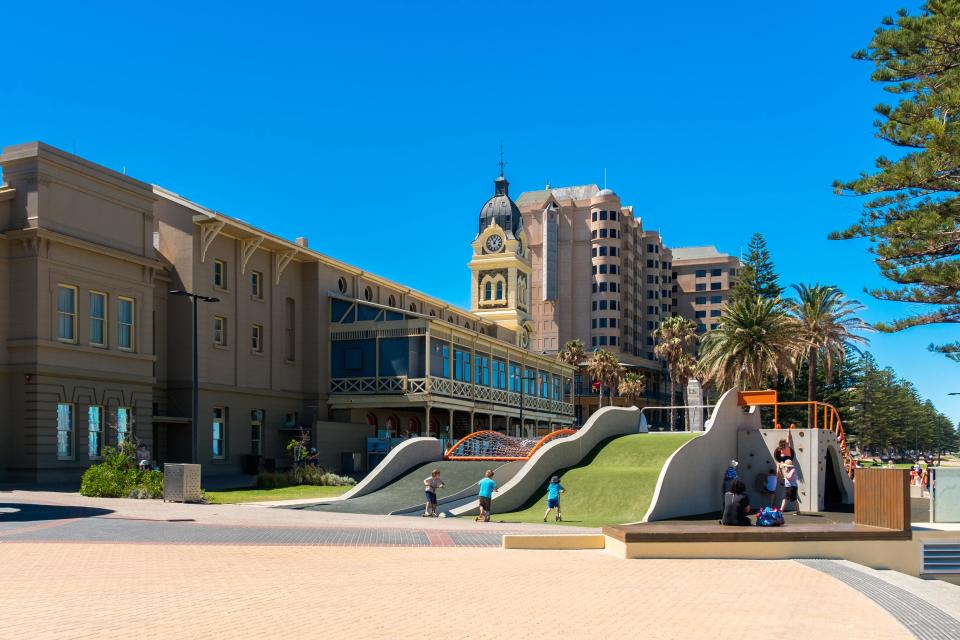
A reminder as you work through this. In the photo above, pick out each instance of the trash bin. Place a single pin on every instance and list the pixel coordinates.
(181, 483)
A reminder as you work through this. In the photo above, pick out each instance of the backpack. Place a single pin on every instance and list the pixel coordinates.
(769, 517)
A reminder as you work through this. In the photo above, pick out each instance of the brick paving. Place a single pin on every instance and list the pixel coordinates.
(195, 591)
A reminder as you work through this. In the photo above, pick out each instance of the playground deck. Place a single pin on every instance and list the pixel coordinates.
(714, 532)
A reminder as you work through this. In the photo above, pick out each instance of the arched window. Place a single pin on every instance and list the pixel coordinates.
(371, 420)
(413, 308)
(413, 426)
(368, 294)
(391, 425)
(499, 291)
(391, 301)
(466, 325)
(487, 291)
(433, 314)
(342, 285)
(450, 319)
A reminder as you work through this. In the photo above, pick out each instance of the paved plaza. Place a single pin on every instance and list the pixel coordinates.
(84, 568)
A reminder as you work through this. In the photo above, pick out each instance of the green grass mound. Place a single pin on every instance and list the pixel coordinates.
(613, 485)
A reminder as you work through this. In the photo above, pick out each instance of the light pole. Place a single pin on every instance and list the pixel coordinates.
(195, 401)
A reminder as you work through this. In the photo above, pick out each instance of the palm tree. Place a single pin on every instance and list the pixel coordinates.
(632, 386)
(676, 338)
(756, 340)
(573, 355)
(827, 323)
(605, 367)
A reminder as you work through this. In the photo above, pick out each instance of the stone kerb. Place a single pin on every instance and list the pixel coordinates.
(407, 455)
(558, 454)
(689, 483)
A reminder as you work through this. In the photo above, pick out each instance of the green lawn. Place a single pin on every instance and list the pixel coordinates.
(263, 495)
(611, 486)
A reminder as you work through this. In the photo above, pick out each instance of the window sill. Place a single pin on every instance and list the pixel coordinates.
(254, 352)
(257, 298)
(290, 361)
(66, 341)
(126, 350)
(221, 347)
(94, 345)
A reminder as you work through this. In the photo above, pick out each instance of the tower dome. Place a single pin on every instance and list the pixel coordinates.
(501, 209)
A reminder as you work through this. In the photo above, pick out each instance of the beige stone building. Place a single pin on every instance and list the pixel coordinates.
(703, 278)
(94, 349)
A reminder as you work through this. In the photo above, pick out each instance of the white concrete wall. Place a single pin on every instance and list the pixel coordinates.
(406, 456)
(691, 480)
(558, 454)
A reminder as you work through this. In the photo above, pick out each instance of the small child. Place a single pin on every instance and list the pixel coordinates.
(430, 486)
(487, 487)
(770, 485)
(554, 489)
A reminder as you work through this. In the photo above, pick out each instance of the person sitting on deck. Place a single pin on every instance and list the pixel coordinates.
(736, 505)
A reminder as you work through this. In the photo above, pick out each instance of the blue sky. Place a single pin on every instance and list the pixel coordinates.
(383, 119)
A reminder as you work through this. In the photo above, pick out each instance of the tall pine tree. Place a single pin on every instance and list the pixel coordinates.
(757, 276)
(912, 217)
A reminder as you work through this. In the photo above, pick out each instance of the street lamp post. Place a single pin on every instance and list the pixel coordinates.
(195, 401)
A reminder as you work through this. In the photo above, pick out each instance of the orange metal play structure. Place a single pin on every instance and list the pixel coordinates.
(823, 416)
(493, 445)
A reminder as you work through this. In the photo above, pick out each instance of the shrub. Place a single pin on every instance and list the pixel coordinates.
(305, 475)
(118, 477)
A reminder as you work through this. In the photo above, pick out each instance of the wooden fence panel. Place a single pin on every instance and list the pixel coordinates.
(882, 498)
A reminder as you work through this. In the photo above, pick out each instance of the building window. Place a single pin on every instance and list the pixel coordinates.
(700, 300)
(701, 286)
(715, 286)
(701, 328)
(94, 432)
(593, 216)
(613, 305)
(613, 287)
(219, 274)
(613, 251)
(499, 374)
(67, 313)
(64, 431)
(124, 417)
(603, 233)
(701, 314)
(613, 341)
(256, 432)
(483, 370)
(613, 215)
(290, 329)
(716, 299)
(713, 327)
(219, 433)
(413, 308)
(613, 323)
(461, 365)
(368, 294)
(715, 272)
(342, 285)
(603, 305)
(613, 269)
(488, 291)
(219, 331)
(593, 323)
(603, 323)
(256, 284)
(256, 338)
(499, 291)
(391, 301)
(715, 313)
(603, 341)
(594, 341)
(613, 233)
(701, 273)
(125, 324)
(98, 319)
(603, 215)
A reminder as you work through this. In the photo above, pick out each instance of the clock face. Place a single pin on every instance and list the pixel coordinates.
(494, 243)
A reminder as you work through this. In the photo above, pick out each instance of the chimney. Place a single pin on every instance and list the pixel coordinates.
(302, 241)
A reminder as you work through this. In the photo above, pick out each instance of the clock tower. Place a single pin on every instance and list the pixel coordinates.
(500, 267)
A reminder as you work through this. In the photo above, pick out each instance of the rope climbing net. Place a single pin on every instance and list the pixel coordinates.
(493, 445)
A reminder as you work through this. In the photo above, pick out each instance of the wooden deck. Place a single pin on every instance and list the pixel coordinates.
(715, 532)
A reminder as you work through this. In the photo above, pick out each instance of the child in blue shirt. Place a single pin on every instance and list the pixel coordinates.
(487, 487)
(554, 489)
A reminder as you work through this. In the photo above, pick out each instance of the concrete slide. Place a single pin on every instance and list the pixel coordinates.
(404, 496)
(561, 453)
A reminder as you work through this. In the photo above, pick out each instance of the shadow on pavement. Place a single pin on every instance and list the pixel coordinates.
(26, 512)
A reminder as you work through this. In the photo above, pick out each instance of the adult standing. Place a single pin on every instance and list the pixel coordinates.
(791, 486)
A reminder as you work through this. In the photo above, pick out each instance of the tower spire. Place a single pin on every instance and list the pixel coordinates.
(501, 163)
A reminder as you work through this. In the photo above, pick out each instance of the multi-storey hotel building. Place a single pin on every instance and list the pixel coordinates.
(703, 277)
(94, 349)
